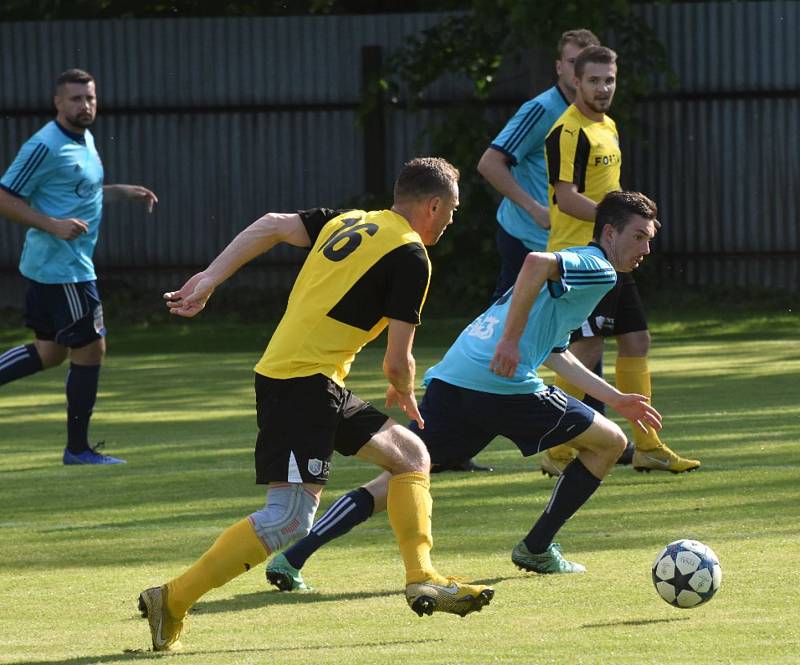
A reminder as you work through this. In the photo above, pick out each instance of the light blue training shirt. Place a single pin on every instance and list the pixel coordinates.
(58, 173)
(561, 307)
(522, 141)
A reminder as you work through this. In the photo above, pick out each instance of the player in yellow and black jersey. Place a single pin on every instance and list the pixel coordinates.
(365, 271)
(583, 152)
(583, 163)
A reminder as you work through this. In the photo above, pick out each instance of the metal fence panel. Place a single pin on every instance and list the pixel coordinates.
(227, 118)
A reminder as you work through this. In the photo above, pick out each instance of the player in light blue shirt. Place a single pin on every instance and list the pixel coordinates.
(55, 187)
(487, 386)
(584, 277)
(514, 164)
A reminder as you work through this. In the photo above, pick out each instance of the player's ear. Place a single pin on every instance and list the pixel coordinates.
(434, 204)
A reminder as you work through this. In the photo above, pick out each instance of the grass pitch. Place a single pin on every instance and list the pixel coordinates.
(78, 544)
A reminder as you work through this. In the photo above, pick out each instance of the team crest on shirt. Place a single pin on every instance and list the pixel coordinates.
(86, 188)
(319, 468)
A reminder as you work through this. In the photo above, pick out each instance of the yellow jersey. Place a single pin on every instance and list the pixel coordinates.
(363, 269)
(585, 152)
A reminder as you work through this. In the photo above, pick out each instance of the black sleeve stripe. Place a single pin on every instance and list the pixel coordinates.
(33, 162)
(315, 218)
(581, 161)
(553, 150)
(529, 122)
(10, 191)
(502, 150)
(560, 262)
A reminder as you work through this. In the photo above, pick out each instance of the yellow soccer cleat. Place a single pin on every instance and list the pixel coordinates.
(446, 594)
(662, 459)
(165, 630)
(554, 462)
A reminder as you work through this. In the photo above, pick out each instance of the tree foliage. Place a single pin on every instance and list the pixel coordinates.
(475, 44)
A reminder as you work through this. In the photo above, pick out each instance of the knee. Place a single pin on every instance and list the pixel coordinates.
(91, 354)
(51, 355)
(635, 344)
(286, 517)
(616, 441)
(413, 455)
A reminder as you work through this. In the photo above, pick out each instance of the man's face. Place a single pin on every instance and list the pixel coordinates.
(440, 217)
(76, 104)
(628, 247)
(565, 67)
(597, 85)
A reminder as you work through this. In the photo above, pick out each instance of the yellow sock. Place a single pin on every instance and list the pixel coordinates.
(409, 505)
(633, 376)
(237, 550)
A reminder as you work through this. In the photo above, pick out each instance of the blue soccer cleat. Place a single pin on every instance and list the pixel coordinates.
(90, 456)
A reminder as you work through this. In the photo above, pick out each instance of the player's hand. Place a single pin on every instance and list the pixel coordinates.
(638, 410)
(68, 229)
(192, 297)
(407, 402)
(506, 358)
(541, 216)
(139, 193)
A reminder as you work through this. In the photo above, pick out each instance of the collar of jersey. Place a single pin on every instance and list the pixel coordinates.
(79, 138)
(594, 244)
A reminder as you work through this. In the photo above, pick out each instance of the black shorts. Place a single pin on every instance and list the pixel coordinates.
(620, 311)
(67, 314)
(301, 421)
(459, 422)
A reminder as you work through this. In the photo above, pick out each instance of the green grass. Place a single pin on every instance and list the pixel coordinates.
(77, 544)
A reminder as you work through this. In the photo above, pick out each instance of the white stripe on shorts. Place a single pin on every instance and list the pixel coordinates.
(75, 309)
(293, 472)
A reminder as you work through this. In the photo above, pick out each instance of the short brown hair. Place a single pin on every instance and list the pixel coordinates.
(617, 208)
(426, 176)
(597, 54)
(73, 76)
(579, 36)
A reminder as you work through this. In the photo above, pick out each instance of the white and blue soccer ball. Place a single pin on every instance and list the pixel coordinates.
(686, 573)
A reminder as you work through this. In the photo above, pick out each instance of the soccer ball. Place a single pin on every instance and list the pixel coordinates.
(687, 573)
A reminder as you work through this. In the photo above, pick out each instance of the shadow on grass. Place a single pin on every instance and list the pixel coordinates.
(258, 599)
(141, 654)
(635, 622)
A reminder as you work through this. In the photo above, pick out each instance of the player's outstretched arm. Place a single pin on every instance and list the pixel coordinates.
(17, 210)
(399, 367)
(258, 238)
(113, 193)
(635, 408)
(537, 268)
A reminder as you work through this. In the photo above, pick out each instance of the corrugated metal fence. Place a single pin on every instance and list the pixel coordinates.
(720, 152)
(228, 118)
(223, 118)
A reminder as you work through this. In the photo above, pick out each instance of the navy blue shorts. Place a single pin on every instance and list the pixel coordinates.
(620, 311)
(67, 314)
(459, 422)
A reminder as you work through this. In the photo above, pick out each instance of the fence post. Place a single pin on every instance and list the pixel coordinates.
(373, 122)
